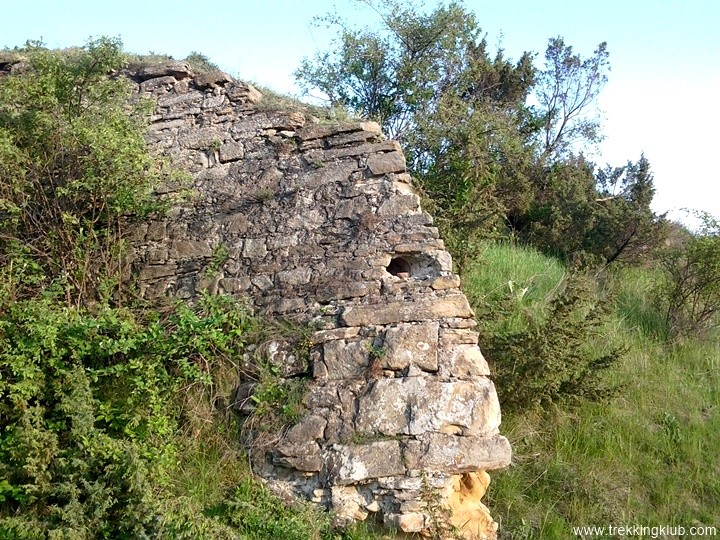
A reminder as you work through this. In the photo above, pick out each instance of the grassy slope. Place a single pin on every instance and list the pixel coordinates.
(649, 457)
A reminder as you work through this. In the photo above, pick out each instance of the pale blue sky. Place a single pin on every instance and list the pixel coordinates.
(662, 96)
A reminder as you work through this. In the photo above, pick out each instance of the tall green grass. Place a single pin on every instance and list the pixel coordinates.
(651, 456)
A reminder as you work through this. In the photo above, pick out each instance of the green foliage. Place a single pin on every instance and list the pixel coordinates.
(589, 217)
(277, 402)
(552, 360)
(644, 455)
(566, 88)
(541, 330)
(200, 63)
(220, 256)
(691, 291)
(486, 161)
(403, 71)
(113, 420)
(88, 408)
(74, 166)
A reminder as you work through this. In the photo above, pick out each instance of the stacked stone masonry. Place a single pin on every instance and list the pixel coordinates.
(320, 223)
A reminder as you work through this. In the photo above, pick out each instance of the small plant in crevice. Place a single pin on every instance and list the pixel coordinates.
(264, 195)
(272, 397)
(219, 257)
(318, 163)
(376, 354)
(277, 402)
(439, 527)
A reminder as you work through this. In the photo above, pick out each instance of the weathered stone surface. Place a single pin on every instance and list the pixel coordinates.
(417, 405)
(254, 248)
(411, 522)
(241, 91)
(465, 361)
(184, 249)
(154, 272)
(412, 344)
(231, 151)
(467, 513)
(346, 360)
(442, 283)
(299, 448)
(152, 84)
(386, 163)
(348, 505)
(419, 310)
(203, 138)
(360, 462)
(179, 70)
(455, 455)
(321, 132)
(324, 336)
(235, 285)
(212, 78)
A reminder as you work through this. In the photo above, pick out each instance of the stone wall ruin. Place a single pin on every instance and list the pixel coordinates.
(320, 223)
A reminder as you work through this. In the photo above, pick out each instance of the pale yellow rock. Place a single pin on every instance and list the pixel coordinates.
(468, 514)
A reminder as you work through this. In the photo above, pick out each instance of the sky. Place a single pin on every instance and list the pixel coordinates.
(662, 97)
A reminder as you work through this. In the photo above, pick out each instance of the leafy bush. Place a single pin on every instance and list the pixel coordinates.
(552, 359)
(691, 292)
(88, 408)
(74, 167)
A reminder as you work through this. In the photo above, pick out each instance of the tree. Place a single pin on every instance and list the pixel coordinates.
(565, 89)
(599, 216)
(628, 229)
(488, 162)
(430, 80)
(406, 68)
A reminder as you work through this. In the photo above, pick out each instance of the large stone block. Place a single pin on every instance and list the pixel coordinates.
(179, 70)
(357, 463)
(422, 309)
(346, 360)
(389, 162)
(419, 405)
(200, 139)
(415, 344)
(464, 361)
(454, 455)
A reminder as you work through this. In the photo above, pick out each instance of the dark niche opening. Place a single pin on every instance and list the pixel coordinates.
(399, 267)
(414, 265)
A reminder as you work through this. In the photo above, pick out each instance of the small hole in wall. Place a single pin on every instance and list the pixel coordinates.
(399, 267)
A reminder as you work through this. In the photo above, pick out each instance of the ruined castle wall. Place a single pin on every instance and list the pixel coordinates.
(320, 223)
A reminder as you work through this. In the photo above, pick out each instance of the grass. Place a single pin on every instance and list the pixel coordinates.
(648, 457)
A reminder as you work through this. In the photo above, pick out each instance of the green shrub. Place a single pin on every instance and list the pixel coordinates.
(74, 167)
(200, 63)
(89, 407)
(553, 358)
(691, 292)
